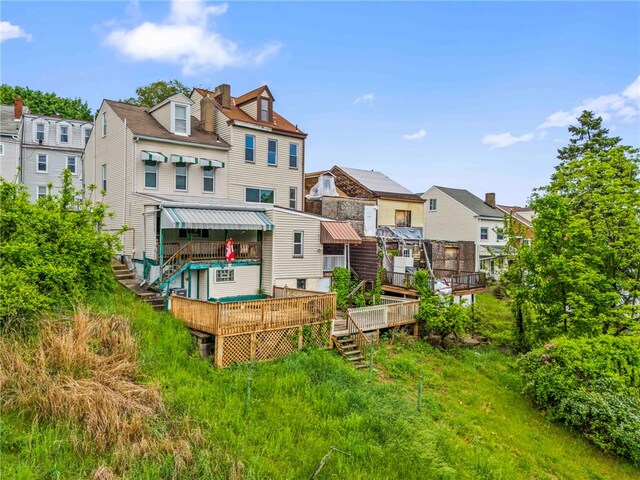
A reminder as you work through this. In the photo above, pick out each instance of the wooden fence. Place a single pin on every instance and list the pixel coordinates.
(384, 316)
(260, 329)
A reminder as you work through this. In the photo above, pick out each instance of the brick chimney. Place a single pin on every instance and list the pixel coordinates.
(207, 106)
(17, 108)
(224, 95)
(490, 199)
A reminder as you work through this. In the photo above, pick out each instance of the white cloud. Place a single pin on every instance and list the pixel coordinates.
(8, 31)
(185, 38)
(623, 106)
(502, 140)
(367, 97)
(415, 136)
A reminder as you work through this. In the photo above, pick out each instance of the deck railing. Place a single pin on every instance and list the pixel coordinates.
(287, 292)
(457, 282)
(253, 316)
(370, 318)
(358, 336)
(329, 262)
(212, 250)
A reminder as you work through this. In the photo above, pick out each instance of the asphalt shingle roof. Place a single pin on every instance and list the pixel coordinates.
(473, 203)
(379, 183)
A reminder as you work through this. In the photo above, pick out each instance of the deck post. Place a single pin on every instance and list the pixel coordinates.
(416, 329)
(300, 338)
(253, 346)
(219, 350)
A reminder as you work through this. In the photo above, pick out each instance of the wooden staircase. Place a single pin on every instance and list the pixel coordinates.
(349, 350)
(127, 278)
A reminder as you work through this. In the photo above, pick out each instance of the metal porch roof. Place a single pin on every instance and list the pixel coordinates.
(338, 232)
(202, 218)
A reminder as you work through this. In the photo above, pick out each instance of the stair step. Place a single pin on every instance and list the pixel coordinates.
(349, 346)
(355, 359)
(345, 340)
(352, 352)
(361, 365)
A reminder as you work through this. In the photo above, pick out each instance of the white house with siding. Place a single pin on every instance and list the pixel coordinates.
(50, 144)
(453, 214)
(10, 124)
(190, 174)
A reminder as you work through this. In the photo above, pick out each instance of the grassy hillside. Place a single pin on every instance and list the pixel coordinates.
(474, 422)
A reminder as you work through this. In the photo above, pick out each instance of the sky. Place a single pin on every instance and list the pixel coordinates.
(461, 94)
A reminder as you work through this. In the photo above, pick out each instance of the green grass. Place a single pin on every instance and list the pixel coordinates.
(492, 318)
(474, 422)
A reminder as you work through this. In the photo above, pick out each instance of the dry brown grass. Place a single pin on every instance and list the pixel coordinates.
(84, 370)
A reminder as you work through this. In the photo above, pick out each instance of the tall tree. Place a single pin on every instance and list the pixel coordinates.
(584, 266)
(46, 103)
(154, 93)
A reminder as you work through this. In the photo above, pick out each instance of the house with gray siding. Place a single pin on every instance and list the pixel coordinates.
(50, 144)
(194, 178)
(10, 124)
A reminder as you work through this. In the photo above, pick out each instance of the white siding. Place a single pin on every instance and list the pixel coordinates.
(451, 220)
(247, 282)
(287, 268)
(492, 226)
(251, 109)
(260, 175)
(163, 115)
(9, 160)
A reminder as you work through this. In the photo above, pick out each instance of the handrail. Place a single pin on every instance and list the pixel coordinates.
(360, 285)
(174, 259)
(358, 335)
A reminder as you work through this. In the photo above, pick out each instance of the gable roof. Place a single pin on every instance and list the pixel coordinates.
(235, 114)
(141, 122)
(473, 203)
(253, 94)
(379, 184)
(178, 97)
(514, 211)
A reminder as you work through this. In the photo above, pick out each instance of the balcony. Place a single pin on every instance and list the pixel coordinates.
(205, 251)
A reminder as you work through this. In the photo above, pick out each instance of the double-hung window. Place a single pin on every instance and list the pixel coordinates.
(293, 197)
(64, 134)
(72, 164)
(42, 191)
(293, 155)
(484, 233)
(298, 240)
(264, 110)
(42, 163)
(208, 182)
(259, 195)
(40, 132)
(104, 177)
(180, 119)
(272, 152)
(249, 148)
(500, 234)
(87, 134)
(104, 124)
(181, 176)
(150, 175)
(433, 204)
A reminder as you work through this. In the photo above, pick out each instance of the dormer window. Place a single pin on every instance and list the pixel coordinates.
(180, 119)
(265, 109)
(40, 132)
(64, 134)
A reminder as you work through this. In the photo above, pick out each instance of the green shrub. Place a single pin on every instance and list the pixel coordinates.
(591, 384)
(341, 285)
(52, 252)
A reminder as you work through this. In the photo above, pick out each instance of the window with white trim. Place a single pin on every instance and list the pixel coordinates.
(72, 164)
(87, 134)
(150, 175)
(433, 204)
(181, 177)
(272, 152)
(64, 134)
(293, 155)
(293, 197)
(180, 119)
(104, 177)
(499, 234)
(484, 233)
(259, 195)
(40, 132)
(225, 275)
(264, 110)
(249, 148)
(208, 180)
(42, 191)
(104, 124)
(298, 241)
(42, 163)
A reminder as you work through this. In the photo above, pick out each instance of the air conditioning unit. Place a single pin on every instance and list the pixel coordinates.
(180, 292)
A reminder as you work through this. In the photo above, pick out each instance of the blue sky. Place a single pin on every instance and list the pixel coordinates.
(466, 94)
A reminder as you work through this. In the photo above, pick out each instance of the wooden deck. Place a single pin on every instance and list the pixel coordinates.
(388, 315)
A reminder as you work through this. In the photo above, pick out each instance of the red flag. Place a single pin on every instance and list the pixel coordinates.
(228, 250)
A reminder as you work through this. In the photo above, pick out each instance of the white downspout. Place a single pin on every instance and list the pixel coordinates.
(478, 246)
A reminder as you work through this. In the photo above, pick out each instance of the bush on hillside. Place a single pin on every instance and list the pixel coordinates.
(52, 252)
(592, 385)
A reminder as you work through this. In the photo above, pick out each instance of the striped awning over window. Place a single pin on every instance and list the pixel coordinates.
(201, 218)
(203, 162)
(183, 159)
(148, 156)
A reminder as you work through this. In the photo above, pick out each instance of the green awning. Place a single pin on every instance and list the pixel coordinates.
(202, 218)
(148, 156)
(183, 159)
(203, 162)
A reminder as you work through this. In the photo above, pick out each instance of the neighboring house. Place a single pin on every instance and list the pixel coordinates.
(378, 208)
(457, 215)
(10, 123)
(181, 177)
(49, 145)
(522, 217)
